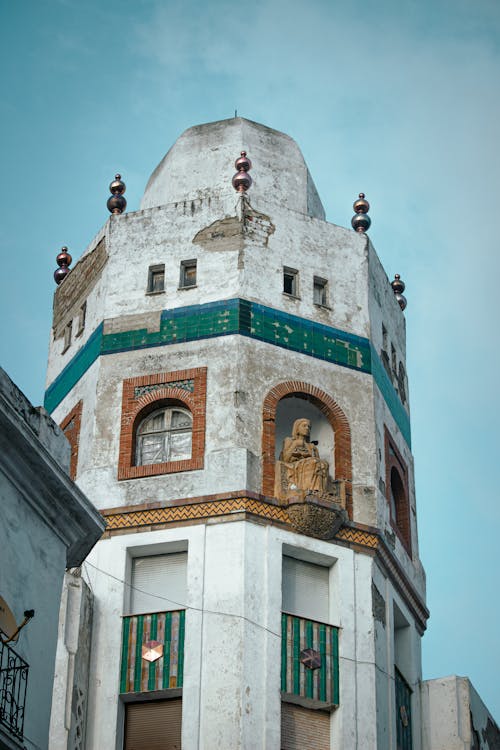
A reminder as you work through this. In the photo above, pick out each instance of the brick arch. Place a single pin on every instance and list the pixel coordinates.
(161, 397)
(134, 409)
(335, 416)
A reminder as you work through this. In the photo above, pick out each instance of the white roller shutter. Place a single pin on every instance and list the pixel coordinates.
(158, 583)
(305, 589)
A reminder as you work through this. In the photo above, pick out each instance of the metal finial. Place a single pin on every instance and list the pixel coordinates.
(361, 221)
(63, 260)
(398, 288)
(242, 180)
(116, 202)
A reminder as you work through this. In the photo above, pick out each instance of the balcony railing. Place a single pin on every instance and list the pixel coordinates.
(146, 666)
(13, 681)
(309, 660)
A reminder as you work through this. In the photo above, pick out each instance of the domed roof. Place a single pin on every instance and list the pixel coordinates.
(201, 162)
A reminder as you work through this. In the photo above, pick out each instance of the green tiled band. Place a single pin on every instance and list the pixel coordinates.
(237, 316)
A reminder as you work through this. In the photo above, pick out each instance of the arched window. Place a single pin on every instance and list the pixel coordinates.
(397, 496)
(397, 491)
(164, 435)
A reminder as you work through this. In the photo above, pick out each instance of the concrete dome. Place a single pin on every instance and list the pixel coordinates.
(201, 162)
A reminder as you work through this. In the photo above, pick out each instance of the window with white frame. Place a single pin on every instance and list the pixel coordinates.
(165, 435)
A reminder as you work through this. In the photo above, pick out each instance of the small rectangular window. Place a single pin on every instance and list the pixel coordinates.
(156, 279)
(82, 314)
(67, 335)
(320, 293)
(290, 281)
(188, 273)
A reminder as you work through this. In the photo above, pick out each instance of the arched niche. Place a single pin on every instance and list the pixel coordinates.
(295, 407)
(336, 432)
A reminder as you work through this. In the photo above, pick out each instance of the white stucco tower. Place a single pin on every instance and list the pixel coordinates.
(230, 370)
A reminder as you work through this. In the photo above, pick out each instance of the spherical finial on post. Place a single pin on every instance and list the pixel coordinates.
(361, 221)
(116, 202)
(398, 288)
(63, 260)
(242, 180)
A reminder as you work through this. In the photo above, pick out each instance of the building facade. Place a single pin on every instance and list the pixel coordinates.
(229, 368)
(47, 525)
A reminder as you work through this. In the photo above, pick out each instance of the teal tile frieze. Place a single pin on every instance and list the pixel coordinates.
(237, 316)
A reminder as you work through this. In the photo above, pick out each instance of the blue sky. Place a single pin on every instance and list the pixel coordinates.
(397, 99)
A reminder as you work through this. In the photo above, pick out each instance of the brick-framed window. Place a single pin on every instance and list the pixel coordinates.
(396, 490)
(144, 395)
(71, 427)
(336, 418)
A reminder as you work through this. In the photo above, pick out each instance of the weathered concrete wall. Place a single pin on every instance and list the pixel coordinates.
(232, 624)
(455, 718)
(32, 561)
(45, 519)
(70, 693)
(203, 156)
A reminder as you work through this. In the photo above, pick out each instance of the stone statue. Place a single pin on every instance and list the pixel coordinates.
(300, 470)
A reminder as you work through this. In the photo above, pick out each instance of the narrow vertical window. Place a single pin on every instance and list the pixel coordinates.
(156, 279)
(320, 291)
(394, 361)
(67, 335)
(82, 314)
(290, 281)
(385, 343)
(188, 273)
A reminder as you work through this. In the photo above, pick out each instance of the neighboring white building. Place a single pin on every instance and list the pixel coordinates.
(455, 718)
(242, 599)
(47, 525)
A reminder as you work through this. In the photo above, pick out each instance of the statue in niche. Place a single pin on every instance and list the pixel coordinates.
(300, 470)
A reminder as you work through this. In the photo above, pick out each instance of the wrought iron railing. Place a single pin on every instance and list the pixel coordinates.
(13, 681)
(309, 660)
(152, 652)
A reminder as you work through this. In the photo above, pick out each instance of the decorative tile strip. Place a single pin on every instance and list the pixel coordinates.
(193, 511)
(138, 675)
(298, 635)
(357, 536)
(237, 316)
(185, 385)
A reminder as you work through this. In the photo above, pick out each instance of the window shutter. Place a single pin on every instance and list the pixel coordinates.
(305, 589)
(155, 725)
(158, 583)
(302, 728)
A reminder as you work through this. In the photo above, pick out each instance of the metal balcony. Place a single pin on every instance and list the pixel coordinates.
(13, 682)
